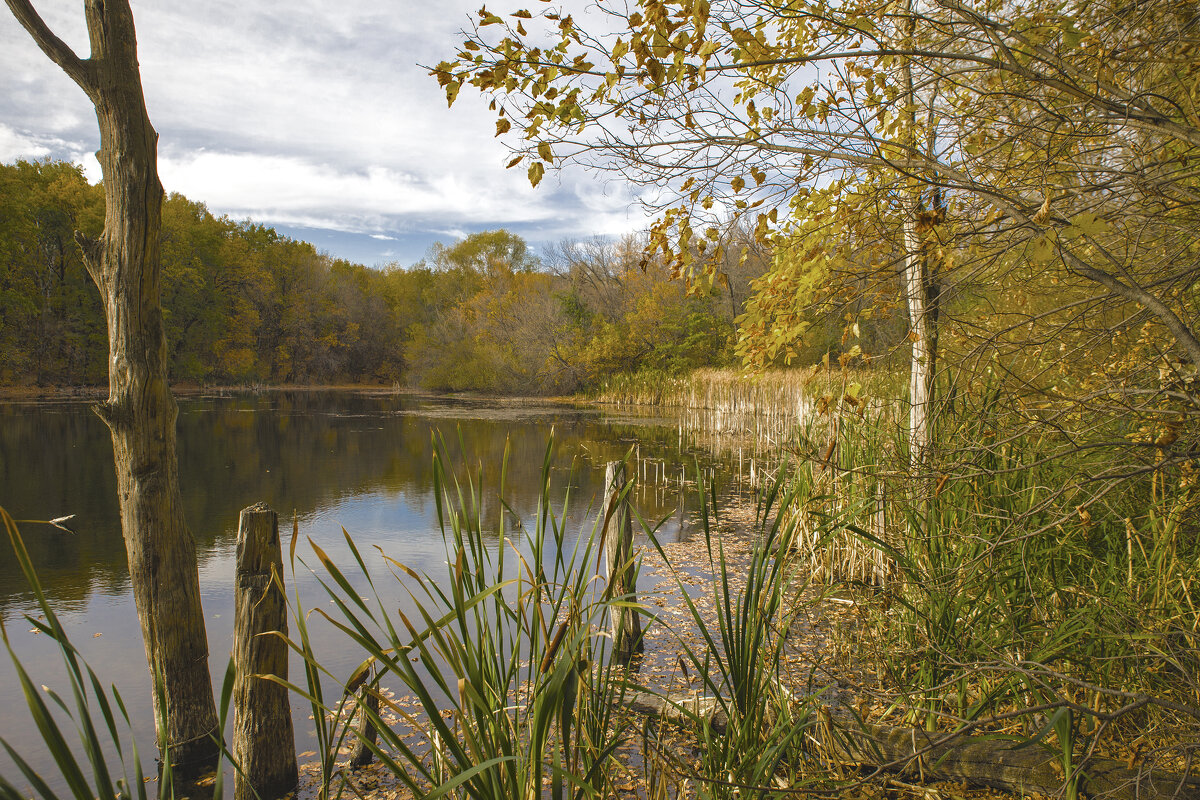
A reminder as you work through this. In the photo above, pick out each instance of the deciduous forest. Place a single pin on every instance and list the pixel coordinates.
(244, 305)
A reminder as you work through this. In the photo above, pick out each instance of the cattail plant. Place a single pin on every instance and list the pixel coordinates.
(508, 657)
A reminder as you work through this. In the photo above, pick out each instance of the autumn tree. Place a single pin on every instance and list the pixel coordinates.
(994, 144)
(485, 302)
(49, 319)
(140, 411)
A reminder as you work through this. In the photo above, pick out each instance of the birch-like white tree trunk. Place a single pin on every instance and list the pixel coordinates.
(916, 286)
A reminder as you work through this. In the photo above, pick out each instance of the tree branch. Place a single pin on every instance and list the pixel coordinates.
(1183, 335)
(54, 48)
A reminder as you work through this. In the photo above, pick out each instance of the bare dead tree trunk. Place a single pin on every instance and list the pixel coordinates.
(140, 411)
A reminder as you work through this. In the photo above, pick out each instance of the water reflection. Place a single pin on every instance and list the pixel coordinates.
(336, 460)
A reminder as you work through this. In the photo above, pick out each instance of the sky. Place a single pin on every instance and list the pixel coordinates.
(312, 117)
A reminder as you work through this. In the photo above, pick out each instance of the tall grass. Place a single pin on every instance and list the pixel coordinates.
(759, 408)
(508, 658)
(740, 663)
(1008, 583)
(96, 715)
(1009, 586)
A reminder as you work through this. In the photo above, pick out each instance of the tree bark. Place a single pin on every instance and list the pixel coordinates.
(264, 747)
(368, 706)
(921, 365)
(140, 411)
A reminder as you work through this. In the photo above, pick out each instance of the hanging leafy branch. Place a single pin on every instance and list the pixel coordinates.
(1044, 115)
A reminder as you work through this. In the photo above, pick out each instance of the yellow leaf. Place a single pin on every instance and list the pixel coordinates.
(1087, 224)
(1043, 213)
(655, 69)
(536, 171)
(543, 149)
(503, 126)
(1041, 249)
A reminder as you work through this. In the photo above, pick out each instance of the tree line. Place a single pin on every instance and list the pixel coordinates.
(243, 304)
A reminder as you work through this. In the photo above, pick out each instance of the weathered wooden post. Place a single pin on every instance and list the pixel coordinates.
(626, 623)
(368, 705)
(263, 743)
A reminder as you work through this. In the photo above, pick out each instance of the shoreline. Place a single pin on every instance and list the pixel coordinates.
(99, 392)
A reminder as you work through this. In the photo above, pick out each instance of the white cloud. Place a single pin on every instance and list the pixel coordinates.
(14, 145)
(298, 191)
(309, 115)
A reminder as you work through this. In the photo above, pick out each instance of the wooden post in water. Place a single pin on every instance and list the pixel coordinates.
(263, 743)
(362, 755)
(626, 623)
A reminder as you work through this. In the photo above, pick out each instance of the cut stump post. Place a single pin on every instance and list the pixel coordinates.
(626, 623)
(263, 742)
(368, 705)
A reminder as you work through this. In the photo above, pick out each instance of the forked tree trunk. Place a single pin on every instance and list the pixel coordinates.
(140, 411)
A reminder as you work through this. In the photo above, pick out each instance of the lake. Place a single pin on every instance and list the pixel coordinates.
(335, 459)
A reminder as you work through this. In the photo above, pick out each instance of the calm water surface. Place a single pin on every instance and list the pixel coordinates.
(335, 459)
